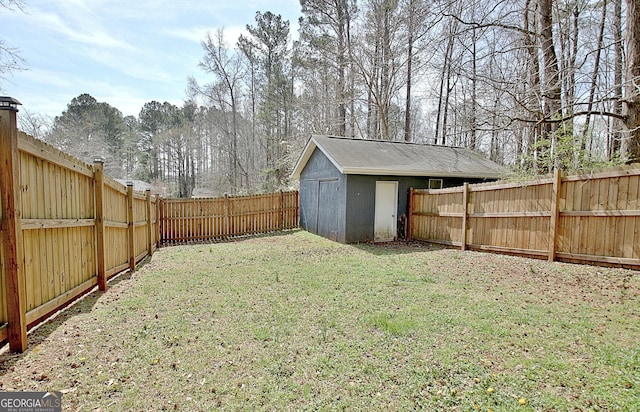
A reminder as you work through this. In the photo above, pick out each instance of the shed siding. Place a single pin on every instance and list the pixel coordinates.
(322, 198)
(360, 201)
(342, 207)
(361, 193)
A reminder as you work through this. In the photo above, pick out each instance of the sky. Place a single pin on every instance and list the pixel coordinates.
(125, 53)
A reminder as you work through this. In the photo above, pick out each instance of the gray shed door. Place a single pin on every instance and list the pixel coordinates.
(385, 225)
(328, 209)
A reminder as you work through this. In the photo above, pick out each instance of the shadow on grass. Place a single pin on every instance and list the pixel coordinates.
(398, 247)
(42, 330)
(232, 239)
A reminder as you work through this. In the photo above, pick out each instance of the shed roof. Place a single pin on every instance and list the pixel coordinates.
(138, 185)
(378, 157)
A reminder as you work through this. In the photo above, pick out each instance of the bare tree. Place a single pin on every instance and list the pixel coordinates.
(615, 137)
(224, 92)
(10, 59)
(631, 101)
(35, 124)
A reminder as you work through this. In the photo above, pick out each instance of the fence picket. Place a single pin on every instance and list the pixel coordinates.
(58, 252)
(190, 221)
(584, 218)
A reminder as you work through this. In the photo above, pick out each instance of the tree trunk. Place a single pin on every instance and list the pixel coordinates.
(474, 97)
(616, 134)
(631, 102)
(444, 85)
(407, 109)
(594, 80)
(342, 108)
(551, 88)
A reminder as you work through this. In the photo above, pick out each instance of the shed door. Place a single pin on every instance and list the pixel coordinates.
(328, 198)
(386, 210)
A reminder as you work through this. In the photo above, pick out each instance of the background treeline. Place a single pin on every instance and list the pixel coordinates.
(535, 84)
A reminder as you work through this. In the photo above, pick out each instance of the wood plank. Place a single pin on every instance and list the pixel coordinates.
(53, 155)
(118, 225)
(533, 230)
(114, 185)
(75, 238)
(141, 256)
(589, 197)
(605, 174)
(31, 224)
(501, 204)
(631, 222)
(37, 251)
(12, 242)
(117, 269)
(131, 228)
(61, 300)
(465, 213)
(600, 259)
(619, 237)
(99, 194)
(602, 233)
(59, 253)
(29, 271)
(553, 225)
(522, 226)
(490, 214)
(491, 187)
(149, 224)
(438, 214)
(511, 250)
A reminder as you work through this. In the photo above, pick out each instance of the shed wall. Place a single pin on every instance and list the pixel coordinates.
(342, 207)
(360, 201)
(322, 198)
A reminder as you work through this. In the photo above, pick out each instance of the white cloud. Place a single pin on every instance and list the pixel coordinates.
(122, 52)
(142, 66)
(78, 27)
(193, 34)
(199, 34)
(46, 78)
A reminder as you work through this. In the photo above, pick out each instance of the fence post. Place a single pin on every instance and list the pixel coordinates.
(149, 224)
(11, 224)
(281, 210)
(227, 219)
(98, 175)
(132, 228)
(410, 215)
(297, 212)
(555, 214)
(465, 214)
(161, 222)
(158, 219)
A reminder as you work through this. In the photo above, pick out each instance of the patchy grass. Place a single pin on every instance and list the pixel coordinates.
(293, 321)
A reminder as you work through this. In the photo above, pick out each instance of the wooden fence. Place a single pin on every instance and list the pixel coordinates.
(66, 227)
(591, 218)
(205, 220)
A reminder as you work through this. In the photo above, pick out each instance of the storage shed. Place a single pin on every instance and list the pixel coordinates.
(354, 190)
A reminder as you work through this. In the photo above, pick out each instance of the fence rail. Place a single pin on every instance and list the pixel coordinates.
(203, 220)
(591, 218)
(66, 227)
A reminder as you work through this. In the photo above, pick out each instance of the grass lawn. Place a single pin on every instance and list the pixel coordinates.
(296, 322)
